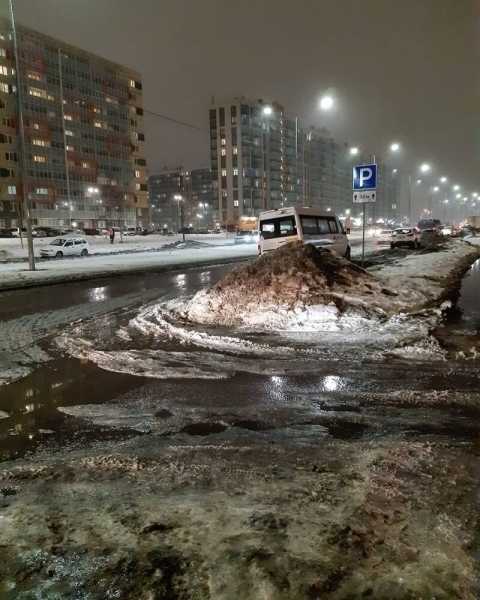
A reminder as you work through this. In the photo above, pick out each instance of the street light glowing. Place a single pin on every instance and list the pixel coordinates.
(178, 197)
(443, 179)
(419, 181)
(394, 146)
(425, 168)
(456, 188)
(267, 111)
(353, 151)
(395, 171)
(458, 195)
(475, 194)
(436, 188)
(326, 103)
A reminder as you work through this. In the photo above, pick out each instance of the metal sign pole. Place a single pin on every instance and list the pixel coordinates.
(363, 236)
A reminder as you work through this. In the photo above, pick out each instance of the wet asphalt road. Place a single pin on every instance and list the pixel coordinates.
(333, 397)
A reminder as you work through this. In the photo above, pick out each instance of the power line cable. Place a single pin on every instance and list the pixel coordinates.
(173, 120)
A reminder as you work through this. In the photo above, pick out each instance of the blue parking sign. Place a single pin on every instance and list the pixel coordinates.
(365, 177)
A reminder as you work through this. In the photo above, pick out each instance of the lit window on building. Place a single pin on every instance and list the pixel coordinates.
(223, 152)
(38, 93)
(70, 148)
(68, 117)
(85, 165)
(3, 70)
(3, 52)
(41, 191)
(235, 150)
(12, 190)
(235, 171)
(40, 142)
(235, 203)
(4, 88)
(69, 132)
(223, 141)
(138, 174)
(39, 158)
(224, 172)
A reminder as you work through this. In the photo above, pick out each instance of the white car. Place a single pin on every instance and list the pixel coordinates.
(67, 246)
(406, 236)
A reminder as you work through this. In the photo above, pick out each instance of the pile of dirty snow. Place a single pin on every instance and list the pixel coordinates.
(296, 282)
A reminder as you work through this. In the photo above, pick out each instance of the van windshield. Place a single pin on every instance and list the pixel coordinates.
(57, 243)
(279, 227)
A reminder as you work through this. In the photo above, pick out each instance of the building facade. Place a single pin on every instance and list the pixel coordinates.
(262, 158)
(181, 198)
(256, 151)
(84, 162)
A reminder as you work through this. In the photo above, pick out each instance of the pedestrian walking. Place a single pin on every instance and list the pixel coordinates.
(112, 235)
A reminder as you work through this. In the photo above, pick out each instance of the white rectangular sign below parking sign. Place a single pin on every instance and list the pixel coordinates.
(363, 197)
(364, 178)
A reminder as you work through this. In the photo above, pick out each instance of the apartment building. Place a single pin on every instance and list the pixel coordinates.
(256, 151)
(179, 197)
(264, 158)
(84, 163)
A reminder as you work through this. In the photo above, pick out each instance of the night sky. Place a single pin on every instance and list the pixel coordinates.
(401, 69)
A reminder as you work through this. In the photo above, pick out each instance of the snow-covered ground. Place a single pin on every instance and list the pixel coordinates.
(135, 254)
(297, 338)
(72, 269)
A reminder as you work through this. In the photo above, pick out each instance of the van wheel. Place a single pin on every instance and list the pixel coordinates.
(348, 253)
(84, 252)
(59, 254)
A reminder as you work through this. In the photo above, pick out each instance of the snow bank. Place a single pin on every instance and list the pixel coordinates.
(295, 286)
(300, 288)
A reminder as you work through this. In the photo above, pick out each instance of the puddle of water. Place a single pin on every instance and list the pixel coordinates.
(461, 332)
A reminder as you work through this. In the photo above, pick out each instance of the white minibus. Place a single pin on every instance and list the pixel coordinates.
(310, 225)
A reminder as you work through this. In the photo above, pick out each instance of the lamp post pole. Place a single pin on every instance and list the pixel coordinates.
(21, 128)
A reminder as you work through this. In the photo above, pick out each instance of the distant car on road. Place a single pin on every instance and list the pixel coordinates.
(384, 237)
(245, 237)
(429, 225)
(67, 246)
(406, 236)
(6, 233)
(16, 232)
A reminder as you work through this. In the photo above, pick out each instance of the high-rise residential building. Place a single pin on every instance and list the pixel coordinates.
(328, 172)
(263, 158)
(84, 162)
(181, 198)
(256, 157)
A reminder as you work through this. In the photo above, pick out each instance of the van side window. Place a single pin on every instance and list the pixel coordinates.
(287, 227)
(309, 225)
(332, 223)
(323, 226)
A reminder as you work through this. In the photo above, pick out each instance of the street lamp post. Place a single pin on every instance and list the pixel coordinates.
(179, 200)
(21, 126)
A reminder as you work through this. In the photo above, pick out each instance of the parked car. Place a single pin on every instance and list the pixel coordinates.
(47, 232)
(406, 236)
(384, 237)
(6, 233)
(309, 225)
(245, 237)
(65, 246)
(16, 232)
(429, 225)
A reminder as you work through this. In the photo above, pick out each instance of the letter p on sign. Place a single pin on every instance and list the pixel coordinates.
(365, 177)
